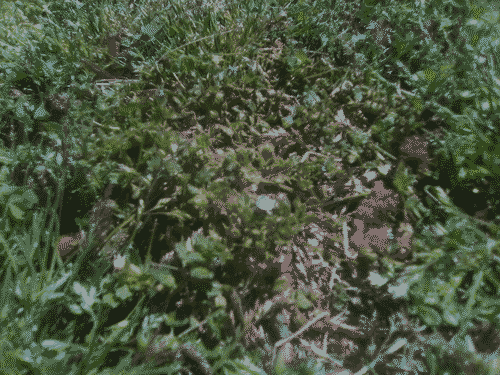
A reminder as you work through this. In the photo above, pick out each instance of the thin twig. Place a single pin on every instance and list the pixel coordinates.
(301, 330)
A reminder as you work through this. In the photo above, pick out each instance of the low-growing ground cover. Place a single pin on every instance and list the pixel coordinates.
(249, 187)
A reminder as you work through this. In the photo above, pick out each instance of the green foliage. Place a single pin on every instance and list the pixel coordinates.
(260, 111)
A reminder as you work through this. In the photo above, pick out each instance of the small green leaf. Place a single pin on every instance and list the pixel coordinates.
(75, 309)
(186, 254)
(199, 200)
(358, 94)
(154, 163)
(220, 301)
(16, 212)
(162, 203)
(452, 316)
(166, 342)
(428, 314)
(165, 278)
(30, 198)
(3, 242)
(202, 273)
(430, 75)
(303, 302)
(402, 180)
(282, 284)
(123, 293)
(117, 331)
(136, 192)
(376, 279)
(353, 156)
(178, 214)
(442, 196)
(55, 345)
(109, 300)
(41, 113)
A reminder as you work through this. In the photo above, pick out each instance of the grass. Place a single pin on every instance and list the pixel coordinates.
(249, 187)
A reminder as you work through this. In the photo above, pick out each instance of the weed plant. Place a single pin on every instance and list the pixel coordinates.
(252, 187)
